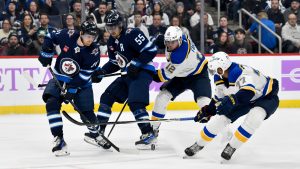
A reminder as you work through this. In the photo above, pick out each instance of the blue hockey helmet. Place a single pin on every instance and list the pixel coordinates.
(113, 18)
(89, 27)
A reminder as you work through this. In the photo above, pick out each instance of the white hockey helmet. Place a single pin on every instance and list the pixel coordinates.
(219, 60)
(173, 33)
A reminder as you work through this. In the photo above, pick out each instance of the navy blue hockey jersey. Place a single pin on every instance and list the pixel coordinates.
(131, 45)
(75, 64)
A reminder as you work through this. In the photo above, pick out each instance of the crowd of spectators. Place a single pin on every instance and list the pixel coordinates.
(25, 23)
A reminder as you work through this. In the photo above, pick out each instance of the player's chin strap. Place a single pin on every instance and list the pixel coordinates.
(76, 109)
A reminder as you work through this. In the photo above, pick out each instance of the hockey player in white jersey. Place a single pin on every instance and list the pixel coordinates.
(186, 68)
(240, 90)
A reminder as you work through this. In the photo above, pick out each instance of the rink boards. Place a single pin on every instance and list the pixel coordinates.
(17, 95)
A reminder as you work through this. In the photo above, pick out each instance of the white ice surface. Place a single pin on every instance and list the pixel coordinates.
(25, 142)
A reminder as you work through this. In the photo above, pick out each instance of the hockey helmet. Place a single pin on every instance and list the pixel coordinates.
(89, 27)
(219, 60)
(173, 33)
(113, 18)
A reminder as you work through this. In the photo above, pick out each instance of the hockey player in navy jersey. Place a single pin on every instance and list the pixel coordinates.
(73, 68)
(186, 68)
(128, 50)
(240, 90)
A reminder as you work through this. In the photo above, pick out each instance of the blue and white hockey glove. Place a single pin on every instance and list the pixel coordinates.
(70, 94)
(45, 58)
(97, 75)
(227, 104)
(133, 69)
(204, 115)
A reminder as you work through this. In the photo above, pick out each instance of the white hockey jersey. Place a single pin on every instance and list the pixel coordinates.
(242, 77)
(183, 61)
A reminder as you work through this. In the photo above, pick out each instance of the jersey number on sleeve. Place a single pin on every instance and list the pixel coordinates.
(139, 39)
(170, 68)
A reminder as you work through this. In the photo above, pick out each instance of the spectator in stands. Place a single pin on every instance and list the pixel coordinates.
(196, 17)
(50, 7)
(5, 31)
(208, 34)
(28, 31)
(157, 29)
(44, 21)
(13, 47)
(140, 7)
(33, 11)
(222, 44)
(103, 43)
(11, 12)
(70, 22)
(77, 12)
(240, 45)
(138, 23)
(291, 35)
(184, 17)
(99, 16)
(233, 7)
(280, 6)
(175, 22)
(295, 8)
(125, 7)
(169, 7)
(268, 39)
(275, 15)
(36, 46)
(157, 10)
(224, 28)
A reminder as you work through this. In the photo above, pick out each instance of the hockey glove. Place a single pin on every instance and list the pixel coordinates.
(133, 69)
(204, 115)
(227, 104)
(45, 58)
(70, 94)
(97, 75)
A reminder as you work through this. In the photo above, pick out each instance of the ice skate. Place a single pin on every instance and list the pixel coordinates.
(96, 140)
(192, 150)
(146, 142)
(60, 147)
(228, 152)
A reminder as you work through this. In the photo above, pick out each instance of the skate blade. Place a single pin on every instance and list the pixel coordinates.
(190, 157)
(92, 142)
(61, 153)
(145, 147)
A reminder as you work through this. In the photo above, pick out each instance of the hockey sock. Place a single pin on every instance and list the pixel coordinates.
(92, 118)
(103, 114)
(253, 120)
(53, 106)
(213, 127)
(161, 102)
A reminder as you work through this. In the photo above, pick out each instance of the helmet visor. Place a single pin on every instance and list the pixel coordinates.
(88, 36)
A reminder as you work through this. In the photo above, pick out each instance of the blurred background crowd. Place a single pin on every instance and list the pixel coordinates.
(25, 23)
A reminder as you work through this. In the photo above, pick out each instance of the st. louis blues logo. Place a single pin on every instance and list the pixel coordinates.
(69, 67)
(121, 60)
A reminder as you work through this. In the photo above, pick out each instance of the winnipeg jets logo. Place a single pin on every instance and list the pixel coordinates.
(71, 32)
(121, 60)
(69, 66)
(77, 49)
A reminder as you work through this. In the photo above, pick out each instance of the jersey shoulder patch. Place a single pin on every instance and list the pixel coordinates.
(235, 71)
(181, 53)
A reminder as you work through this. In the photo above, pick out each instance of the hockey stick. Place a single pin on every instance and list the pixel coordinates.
(124, 122)
(31, 80)
(113, 74)
(85, 119)
(117, 119)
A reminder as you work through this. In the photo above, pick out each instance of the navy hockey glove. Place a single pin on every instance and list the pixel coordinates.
(133, 69)
(204, 115)
(70, 94)
(227, 104)
(97, 75)
(45, 58)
